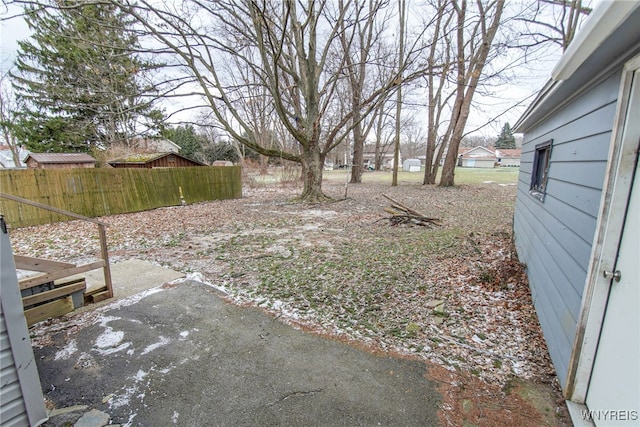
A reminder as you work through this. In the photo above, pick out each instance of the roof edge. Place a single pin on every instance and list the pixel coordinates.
(548, 88)
(603, 21)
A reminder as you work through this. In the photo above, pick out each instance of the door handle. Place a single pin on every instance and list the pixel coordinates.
(615, 275)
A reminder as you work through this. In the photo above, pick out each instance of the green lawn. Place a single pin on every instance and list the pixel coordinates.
(462, 176)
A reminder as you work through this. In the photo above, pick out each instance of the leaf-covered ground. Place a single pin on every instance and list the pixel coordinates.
(453, 295)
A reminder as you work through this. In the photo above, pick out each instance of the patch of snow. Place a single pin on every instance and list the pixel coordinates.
(118, 401)
(130, 420)
(109, 338)
(67, 351)
(516, 366)
(104, 320)
(112, 350)
(184, 334)
(199, 277)
(318, 213)
(150, 348)
(133, 299)
(108, 342)
(279, 250)
(139, 376)
(174, 417)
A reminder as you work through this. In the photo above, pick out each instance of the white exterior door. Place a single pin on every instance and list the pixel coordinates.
(613, 395)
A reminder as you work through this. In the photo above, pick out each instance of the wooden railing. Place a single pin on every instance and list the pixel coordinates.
(55, 270)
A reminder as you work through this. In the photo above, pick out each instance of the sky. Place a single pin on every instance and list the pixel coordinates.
(505, 104)
(10, 32)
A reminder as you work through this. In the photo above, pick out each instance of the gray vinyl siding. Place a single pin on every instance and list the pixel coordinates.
(554, 237)
(12, 409)
(21, 399)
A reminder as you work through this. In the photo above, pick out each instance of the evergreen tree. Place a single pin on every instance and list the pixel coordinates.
(78, 78)
(506, 139)
(191, 143)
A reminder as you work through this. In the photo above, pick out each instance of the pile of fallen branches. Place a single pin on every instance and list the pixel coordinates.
(404, 215)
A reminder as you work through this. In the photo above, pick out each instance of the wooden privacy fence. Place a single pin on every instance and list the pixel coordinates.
(100, 192)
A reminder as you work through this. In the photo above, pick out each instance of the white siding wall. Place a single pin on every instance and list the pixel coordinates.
(554, 237)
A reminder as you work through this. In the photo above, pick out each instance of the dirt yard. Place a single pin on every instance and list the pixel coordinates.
(453, 295)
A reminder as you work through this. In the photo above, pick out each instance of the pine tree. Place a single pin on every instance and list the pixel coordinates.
(78, 78)
(191, 143)
(506, 139)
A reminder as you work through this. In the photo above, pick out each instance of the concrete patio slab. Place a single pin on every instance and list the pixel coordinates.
(180, 355)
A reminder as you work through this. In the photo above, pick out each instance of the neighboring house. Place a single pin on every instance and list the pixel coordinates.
(508, 157)
(487, 157)
(386, 159)
(59, 161)
(151, 145)
(154, 160)
(477, 157)
(21, 399)
(6, 157)
(576, 218)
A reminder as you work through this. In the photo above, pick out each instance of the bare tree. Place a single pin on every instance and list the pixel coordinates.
(8, 107)
(359, 63)
(468, 36)
(474, 39)
(384, 130)
(550, 21)
(291, 48)
(402, 5)
(414, 140)
(440, 67)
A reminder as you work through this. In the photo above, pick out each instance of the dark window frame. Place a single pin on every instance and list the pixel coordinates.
(540, 170)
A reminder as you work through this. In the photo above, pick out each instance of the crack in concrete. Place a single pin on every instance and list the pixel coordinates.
(296, 394)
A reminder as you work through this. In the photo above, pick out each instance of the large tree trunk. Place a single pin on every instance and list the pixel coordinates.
(431, 167)
(449, 167)
(312, 170)
(358, 152)
(432, 171)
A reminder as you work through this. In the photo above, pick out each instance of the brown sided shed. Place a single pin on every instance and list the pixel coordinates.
(59, 161)
(155, 160)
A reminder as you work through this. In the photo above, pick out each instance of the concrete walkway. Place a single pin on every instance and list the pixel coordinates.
(179, 355)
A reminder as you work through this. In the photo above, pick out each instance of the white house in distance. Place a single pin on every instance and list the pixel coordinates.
(386, 158)
(507, 157)
(477, 157)
(487, 157)
(576, 222)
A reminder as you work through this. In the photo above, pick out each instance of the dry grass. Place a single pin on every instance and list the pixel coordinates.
(452, 295)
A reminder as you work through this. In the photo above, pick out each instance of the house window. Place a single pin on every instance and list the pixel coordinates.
(540, 172)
